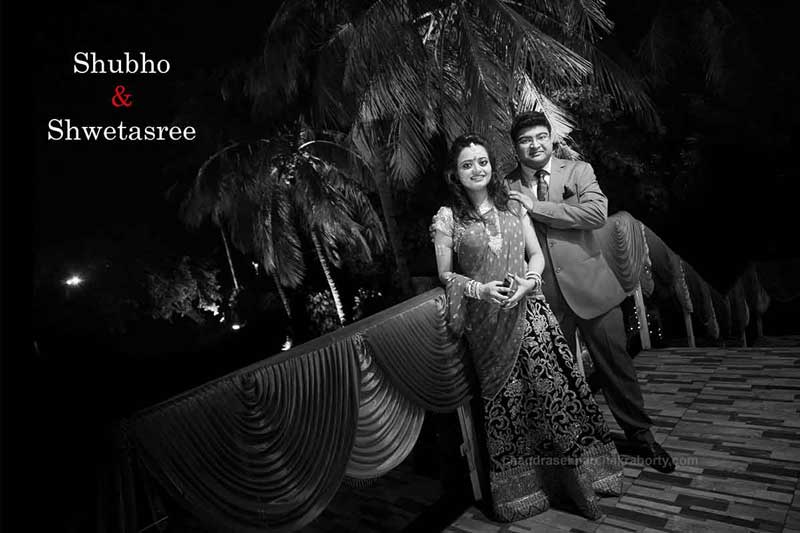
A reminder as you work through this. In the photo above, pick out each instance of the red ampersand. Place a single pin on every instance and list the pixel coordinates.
(120, 98)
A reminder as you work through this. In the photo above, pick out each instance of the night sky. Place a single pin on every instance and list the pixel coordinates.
(84, 189)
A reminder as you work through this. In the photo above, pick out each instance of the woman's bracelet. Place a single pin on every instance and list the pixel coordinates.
(472, 289)
(535, 276)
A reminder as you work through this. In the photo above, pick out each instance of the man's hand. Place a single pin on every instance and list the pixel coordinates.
(524, 199)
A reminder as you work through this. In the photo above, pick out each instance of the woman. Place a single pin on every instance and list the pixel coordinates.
(546, 437)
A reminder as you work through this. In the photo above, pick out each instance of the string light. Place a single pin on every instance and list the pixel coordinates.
(634, 325)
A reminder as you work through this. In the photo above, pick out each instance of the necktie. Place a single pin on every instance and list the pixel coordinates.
(541, 186)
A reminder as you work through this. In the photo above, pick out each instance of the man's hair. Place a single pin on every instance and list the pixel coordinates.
(526, 120)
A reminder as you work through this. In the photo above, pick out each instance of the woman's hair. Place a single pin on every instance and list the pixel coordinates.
(459, 202)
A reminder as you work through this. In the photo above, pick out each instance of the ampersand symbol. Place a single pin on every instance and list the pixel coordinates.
(120, 98)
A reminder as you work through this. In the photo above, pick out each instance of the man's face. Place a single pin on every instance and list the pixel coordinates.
(534, 146)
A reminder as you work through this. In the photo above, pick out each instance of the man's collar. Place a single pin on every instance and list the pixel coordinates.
(528, 175)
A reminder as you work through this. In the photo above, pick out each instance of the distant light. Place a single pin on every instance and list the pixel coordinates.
(236, 327)
(74, 281)
(255, 266)
(287, 344)
(214, 308)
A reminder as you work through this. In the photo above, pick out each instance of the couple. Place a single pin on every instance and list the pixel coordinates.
(546, 438)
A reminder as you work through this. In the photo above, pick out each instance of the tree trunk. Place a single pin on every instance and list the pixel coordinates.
(230, 261)
(289, 341)
(327, 271)
(282, 294)
(381, 178)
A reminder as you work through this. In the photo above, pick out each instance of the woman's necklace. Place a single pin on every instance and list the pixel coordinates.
(491, 224)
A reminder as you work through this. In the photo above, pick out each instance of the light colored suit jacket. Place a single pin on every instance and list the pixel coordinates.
(565, 225)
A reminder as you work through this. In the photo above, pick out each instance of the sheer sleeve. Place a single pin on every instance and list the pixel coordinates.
(442, 235)
(442, 227)
(457, 286)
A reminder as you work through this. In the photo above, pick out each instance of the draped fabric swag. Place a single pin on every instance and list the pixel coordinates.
(722, 315)
(700, 295)
(265, 448)
(624, 248)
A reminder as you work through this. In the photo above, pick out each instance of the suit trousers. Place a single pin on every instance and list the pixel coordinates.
(605, 337)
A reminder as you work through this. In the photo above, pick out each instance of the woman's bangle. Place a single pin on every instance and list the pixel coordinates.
(533, 275)
(472, 289)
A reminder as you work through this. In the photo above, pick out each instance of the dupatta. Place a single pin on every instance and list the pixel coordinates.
(493, 335)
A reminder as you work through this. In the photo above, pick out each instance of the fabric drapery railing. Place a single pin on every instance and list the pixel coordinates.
(262, 448)
(661, 264)
(668, 276)
(740, 311)
(679, 283)
(265, 448)
(700, 293)
(757, 297)
(646, 276)
(624, 248)
(722, 309)
(433, 379)
(388, 424)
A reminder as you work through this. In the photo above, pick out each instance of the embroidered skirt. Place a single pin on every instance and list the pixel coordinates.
(546, 437)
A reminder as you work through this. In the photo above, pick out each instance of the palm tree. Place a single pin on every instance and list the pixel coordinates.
(398, 75)
(332, 209)
(274, 192)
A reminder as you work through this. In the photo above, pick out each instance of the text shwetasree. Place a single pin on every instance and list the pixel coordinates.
(63, 130)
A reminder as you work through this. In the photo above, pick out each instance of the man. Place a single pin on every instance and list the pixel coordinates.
(566, 204)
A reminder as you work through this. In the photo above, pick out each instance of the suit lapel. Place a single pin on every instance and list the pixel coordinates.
(515, 183)
(557, 180)
(514, 180)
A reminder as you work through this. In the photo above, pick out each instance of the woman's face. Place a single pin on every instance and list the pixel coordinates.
(474, 168)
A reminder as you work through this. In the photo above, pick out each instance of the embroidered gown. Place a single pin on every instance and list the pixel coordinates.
(546, 437)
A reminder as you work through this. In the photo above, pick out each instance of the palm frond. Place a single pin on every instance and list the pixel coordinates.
(528, 97)
(201, 199)
(627, 90)
(338, 210)
(397, 86)
(545, 57)
(657, 48)
(410, 150)
(288, 65)
(331, 105)
(365, 214)
(452, 102)
(486, 80)
(382, 22)
(714, 23)
(585, 19)
(287, 245)
(364, 140)
(335, 150)
(565, 151)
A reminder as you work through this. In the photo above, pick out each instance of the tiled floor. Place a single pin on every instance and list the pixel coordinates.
(731, 420)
